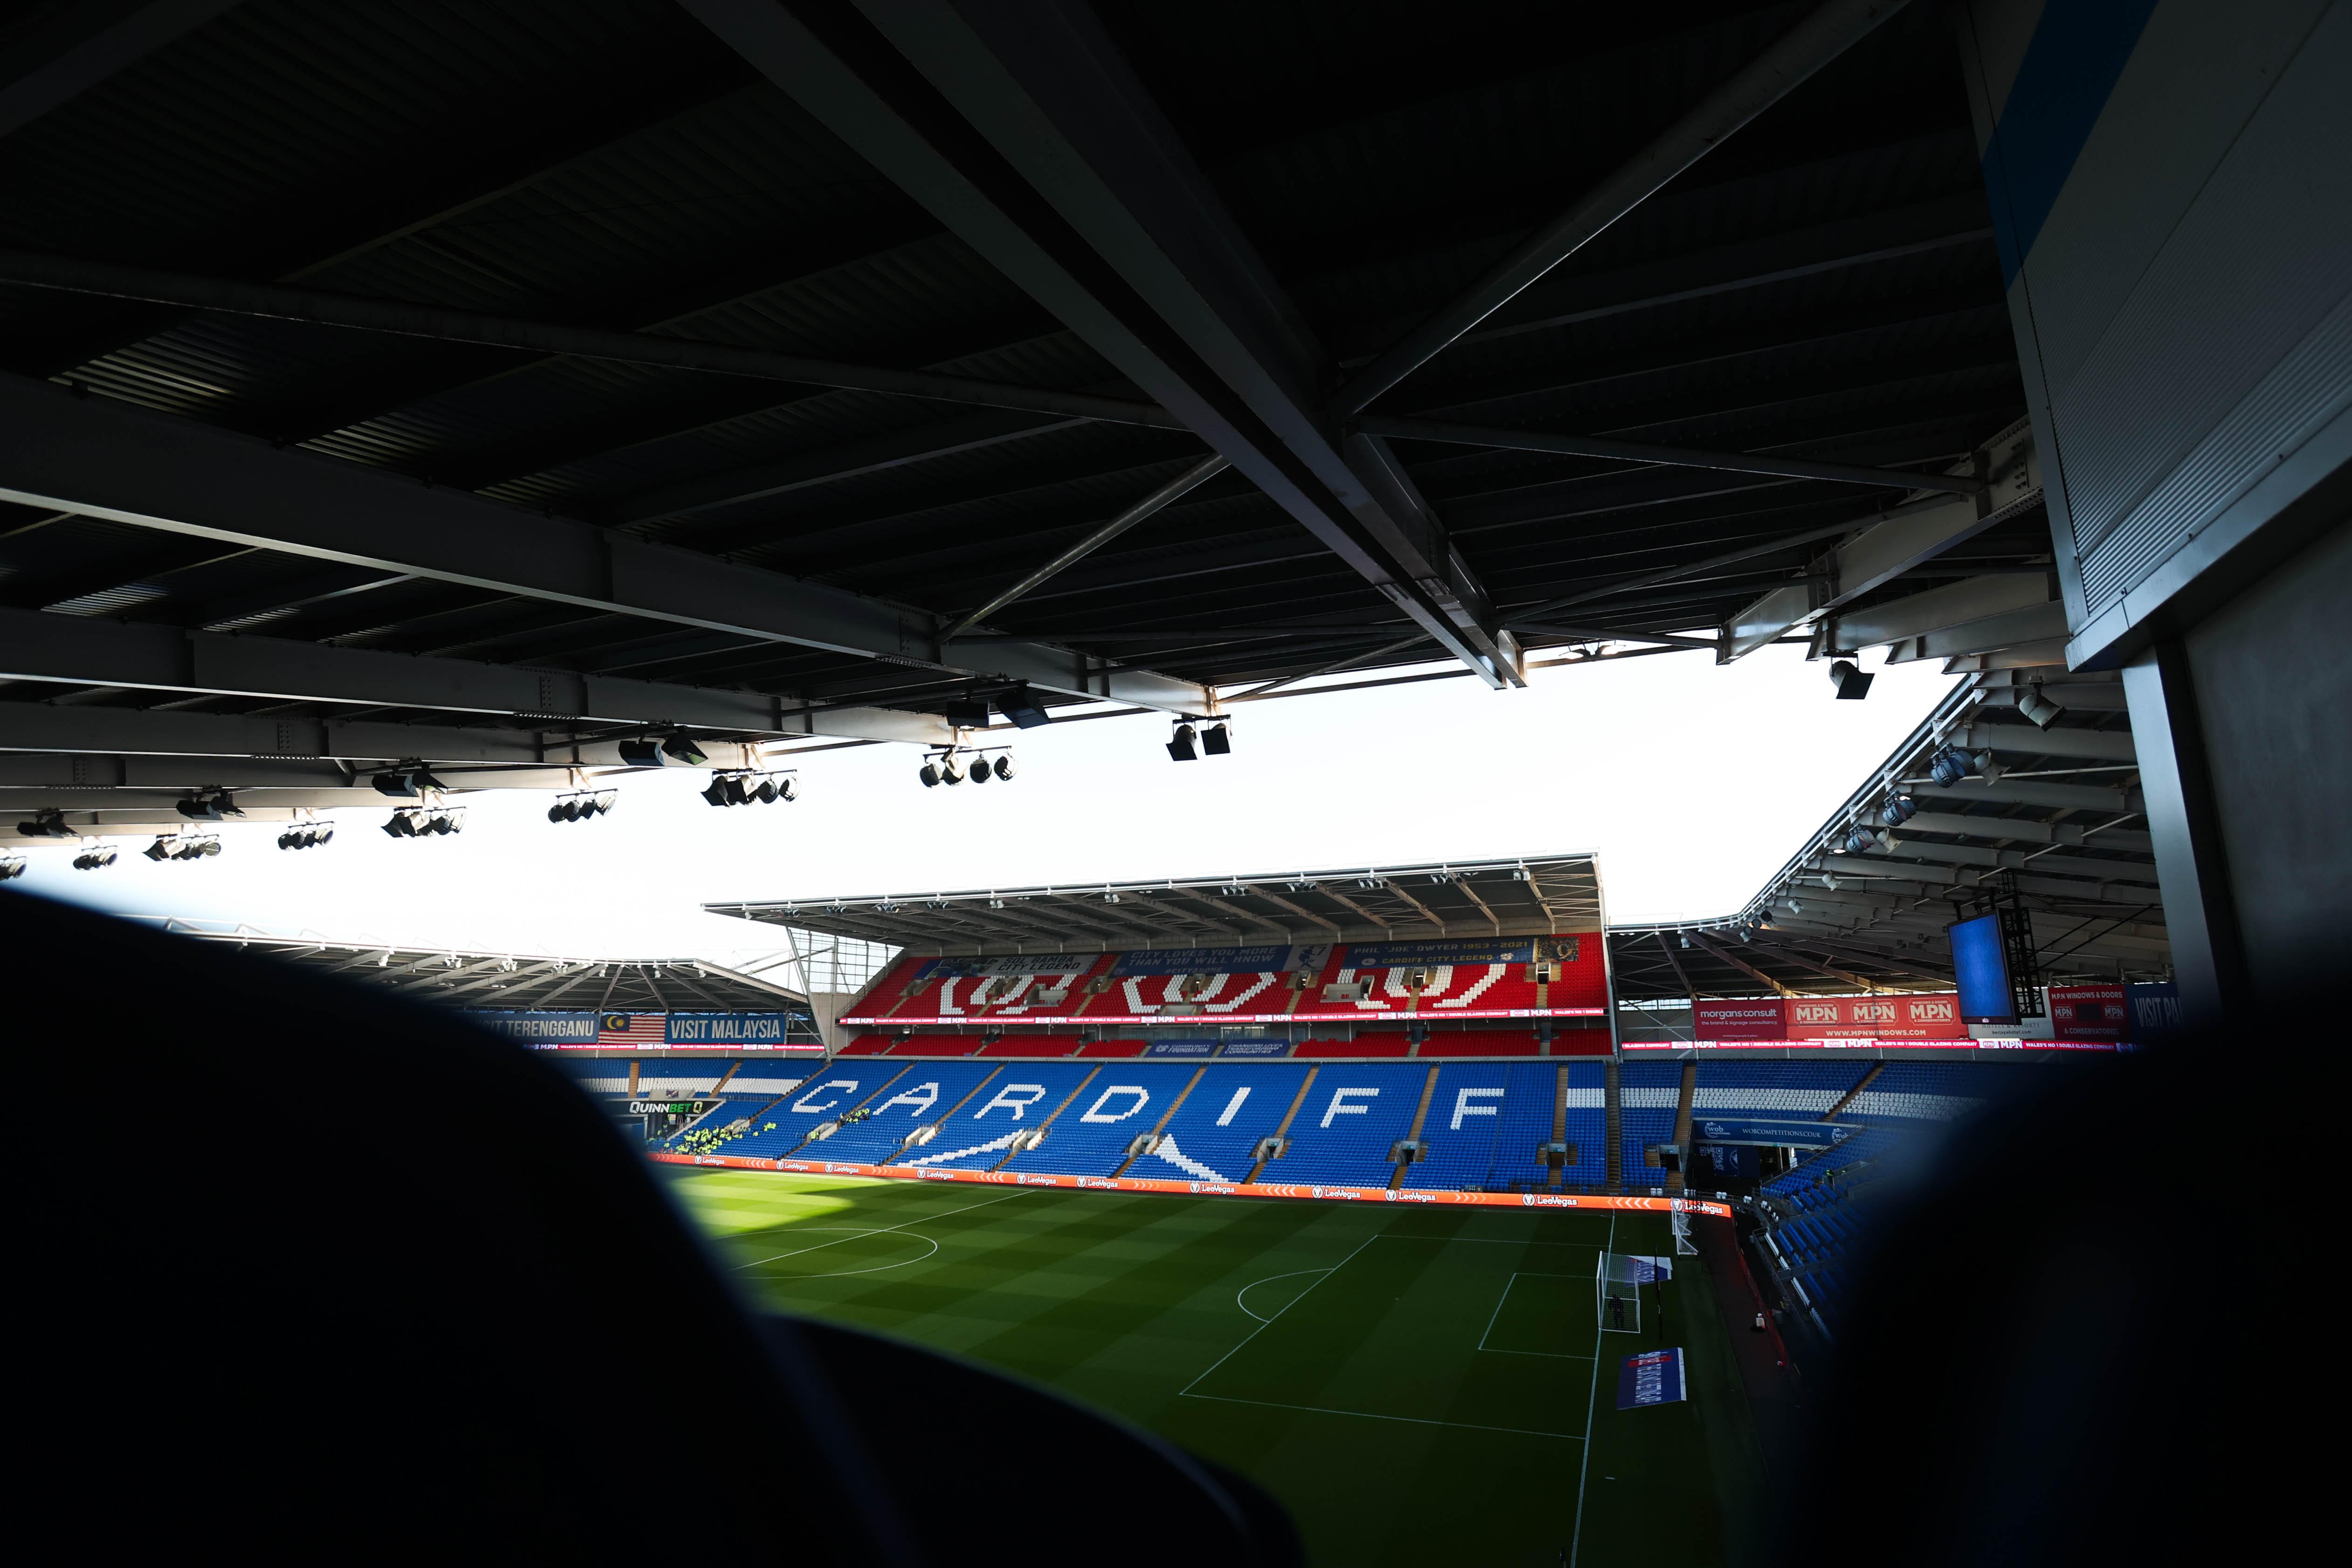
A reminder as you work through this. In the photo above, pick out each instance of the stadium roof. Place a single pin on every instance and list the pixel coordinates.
(1539, 895)
(487, 385)
(2053, 813)
(469, 977)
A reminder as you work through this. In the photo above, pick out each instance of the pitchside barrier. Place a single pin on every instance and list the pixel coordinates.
(1206, 1189)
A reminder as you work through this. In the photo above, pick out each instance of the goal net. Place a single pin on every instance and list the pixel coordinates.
(1622, 1282)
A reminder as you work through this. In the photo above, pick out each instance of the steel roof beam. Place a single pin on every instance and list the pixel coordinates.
(1029, 137)
(1673, 457)
(36, 645)
(1787, 62)
(278, 302)
(105, 460)
(83, 44)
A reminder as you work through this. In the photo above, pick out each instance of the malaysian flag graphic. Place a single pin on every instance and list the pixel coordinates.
(633, 1029)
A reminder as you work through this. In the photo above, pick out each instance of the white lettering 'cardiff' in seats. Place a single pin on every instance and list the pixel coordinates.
(1095, 1113)
(803, 1104)
(1015, 1097)
(1462, 1106)
(923, 1097)
(1339, 1106)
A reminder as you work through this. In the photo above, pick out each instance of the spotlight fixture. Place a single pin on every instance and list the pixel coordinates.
(1216, 740)
(50, 822)
(966, 713)
(13, 867)
(1949, 768)
(982, 771)
(951, 770)
(1686, 941)
(1859, 838)
(1020, 705)
(1370, 884)
(581, 804)
(179, 846)
(213, 805)
(96, 858)
(929, 773)
(407, 782)
(1851, 684)
(740, 787)
(1985, 768)
(418, 822)
(641, 753)
(1899, 809)
(1003, 766)
(681, 746)
(766, 793)
(1109, 898)
(1181, 744)
(886, 908)
(306, 835)
(2037, 709)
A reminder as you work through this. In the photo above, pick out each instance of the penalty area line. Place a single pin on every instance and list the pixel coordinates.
(1278, 1312)
(1369, 1416)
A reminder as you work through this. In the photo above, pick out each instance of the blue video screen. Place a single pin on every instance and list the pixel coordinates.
(1982, 969)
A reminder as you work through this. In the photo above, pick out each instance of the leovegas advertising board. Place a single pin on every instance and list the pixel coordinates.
(1207, 1189)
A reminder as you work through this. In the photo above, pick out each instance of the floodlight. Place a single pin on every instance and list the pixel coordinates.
(681, 746)
(930, 774)
(575, 808)
(1859, 838)
(715, 791)
(1216, 740)
(980, 770)
(1020, 706)
(199, 808)
(951, 770)
(738, 792)
(1180, 745)
(1004, 768)
(606, 800)
(11, 869)
(456, 820)
(2037, 709)
(966, 713)
(1985, 768)
(208, 847)
(766, 793)
(402, 825)
(555, 812)
(1686, 941)
(787, 787)
(50, 823)
(1899, 809)
(402, 785)
(160, 850)
(1948, 769)
(641, 753)
(1851, 684)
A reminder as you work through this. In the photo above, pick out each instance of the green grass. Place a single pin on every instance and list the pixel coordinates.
(1418, 1384)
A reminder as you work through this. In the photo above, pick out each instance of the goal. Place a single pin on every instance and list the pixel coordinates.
(1621, 1282)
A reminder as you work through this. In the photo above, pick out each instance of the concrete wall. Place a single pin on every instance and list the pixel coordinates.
(2273, 677)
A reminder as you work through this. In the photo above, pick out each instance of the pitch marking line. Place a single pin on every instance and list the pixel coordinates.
(1278, 1312)
(1369, 1415)
(838, 1273)
(885, 1230)
(1584, 1469)
(1270, 1279)
(1497, 1350)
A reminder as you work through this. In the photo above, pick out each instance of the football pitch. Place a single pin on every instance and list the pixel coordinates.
(1419, 1385)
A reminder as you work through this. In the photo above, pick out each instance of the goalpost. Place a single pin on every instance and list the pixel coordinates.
(1619, 1280)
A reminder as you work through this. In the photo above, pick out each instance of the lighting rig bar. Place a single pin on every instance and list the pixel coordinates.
(746, 786)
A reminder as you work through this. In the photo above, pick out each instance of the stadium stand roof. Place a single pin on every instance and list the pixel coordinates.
(487, 385)
(2054, 811)
(1537, 895)
(469, 977)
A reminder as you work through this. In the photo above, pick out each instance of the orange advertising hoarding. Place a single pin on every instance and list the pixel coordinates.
(1208, 1189)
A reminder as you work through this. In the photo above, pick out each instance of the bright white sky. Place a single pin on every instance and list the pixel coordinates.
(1693, 783)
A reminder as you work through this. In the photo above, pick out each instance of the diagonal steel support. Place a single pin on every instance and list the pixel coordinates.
(1028, 136)
(1805, 48)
